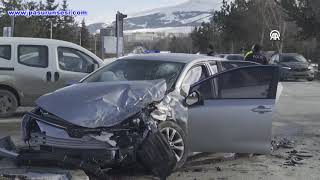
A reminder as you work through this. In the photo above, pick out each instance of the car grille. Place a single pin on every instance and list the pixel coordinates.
(300, 69)
(38, 139)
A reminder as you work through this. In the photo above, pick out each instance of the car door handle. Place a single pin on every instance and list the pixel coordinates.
(56, 76)
(261, 110)
(48, 76)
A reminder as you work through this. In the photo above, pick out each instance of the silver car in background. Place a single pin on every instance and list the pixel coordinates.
(204, 104)
(32, 67)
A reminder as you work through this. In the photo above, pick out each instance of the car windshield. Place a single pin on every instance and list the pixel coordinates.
(298, 58)
(138, 70)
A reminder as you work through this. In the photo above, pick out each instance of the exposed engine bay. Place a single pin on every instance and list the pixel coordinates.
(129, 134)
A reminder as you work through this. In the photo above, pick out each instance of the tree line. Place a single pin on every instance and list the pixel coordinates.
(241, 23)
(63, 27)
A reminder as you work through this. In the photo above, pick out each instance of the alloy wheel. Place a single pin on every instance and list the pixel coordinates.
(175, 141)
(6, 103)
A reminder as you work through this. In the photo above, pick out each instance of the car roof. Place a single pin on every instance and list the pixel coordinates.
(234, 54)
(22, 40)
(172, 57)
(289, 54)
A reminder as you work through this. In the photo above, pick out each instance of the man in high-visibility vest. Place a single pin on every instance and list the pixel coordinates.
(255, 55)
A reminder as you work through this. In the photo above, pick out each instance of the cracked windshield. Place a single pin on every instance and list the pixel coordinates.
(168, 90)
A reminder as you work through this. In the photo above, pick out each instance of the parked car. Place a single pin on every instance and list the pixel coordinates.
(234, 57)
(202, 104)
(293, 66)
(31, 67)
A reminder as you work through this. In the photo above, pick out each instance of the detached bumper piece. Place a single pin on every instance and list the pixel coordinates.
(156, 155)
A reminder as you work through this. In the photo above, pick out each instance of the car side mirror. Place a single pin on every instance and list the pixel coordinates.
(192, 99)
(92, 67)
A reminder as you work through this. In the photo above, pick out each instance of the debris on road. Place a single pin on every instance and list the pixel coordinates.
(296, 157)
(7, 148)
(285, 143)
(219, 169)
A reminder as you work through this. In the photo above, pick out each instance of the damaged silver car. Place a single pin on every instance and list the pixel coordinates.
(116, 115)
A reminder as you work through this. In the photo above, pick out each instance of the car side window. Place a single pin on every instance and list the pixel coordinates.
(214, 67)
(244, 83)
(231, 65)
(276, 58)
(75, 61)
(197, 74)
(5, 52)
(33, 55)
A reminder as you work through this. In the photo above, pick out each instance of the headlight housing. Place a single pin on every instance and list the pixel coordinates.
(286, 67)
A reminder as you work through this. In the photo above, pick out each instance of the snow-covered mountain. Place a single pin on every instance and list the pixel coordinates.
(190, 13)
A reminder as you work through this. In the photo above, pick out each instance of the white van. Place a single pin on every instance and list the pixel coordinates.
(32, 67)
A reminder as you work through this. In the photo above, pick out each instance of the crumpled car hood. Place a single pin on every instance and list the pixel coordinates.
(102, 104)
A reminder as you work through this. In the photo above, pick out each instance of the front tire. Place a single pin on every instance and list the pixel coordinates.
(8, 103)
(177, 141)
(310, 79)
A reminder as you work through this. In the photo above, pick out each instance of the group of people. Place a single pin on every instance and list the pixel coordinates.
(253, 55)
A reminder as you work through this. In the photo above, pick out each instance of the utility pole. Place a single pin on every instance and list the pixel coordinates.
(80, 37)
(51, 28)
(95, 44)
(119, 31)
(12, 26)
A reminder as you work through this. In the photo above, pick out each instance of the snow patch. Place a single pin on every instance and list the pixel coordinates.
(183, 30)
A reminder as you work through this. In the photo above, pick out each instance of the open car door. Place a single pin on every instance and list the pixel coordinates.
(232, 111)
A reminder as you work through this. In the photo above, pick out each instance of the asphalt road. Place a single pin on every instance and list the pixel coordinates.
(297, 119)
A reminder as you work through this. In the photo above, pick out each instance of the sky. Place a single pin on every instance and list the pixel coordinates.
(105, 10)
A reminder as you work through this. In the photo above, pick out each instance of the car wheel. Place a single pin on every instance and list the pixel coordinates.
(177, 141)
(8, 103)
(310, 79)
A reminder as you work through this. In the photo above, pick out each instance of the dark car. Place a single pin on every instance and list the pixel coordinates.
(293, 66)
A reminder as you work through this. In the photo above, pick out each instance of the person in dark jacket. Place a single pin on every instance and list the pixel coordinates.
(210, 51)
(255, 55)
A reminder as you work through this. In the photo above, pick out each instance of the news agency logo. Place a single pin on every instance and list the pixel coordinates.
(274, 35)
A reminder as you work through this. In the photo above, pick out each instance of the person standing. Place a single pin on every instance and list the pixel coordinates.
(255, 55)
(210, 51)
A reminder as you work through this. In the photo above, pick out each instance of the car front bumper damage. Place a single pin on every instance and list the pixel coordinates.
(53, 142)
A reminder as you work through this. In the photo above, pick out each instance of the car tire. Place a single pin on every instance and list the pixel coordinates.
(310, 79)
(177, 141)
(8, 103)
